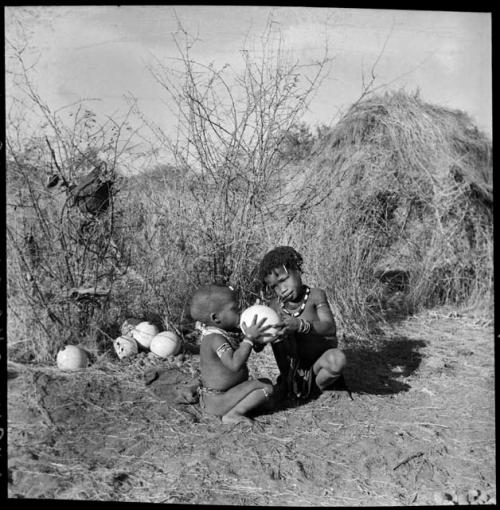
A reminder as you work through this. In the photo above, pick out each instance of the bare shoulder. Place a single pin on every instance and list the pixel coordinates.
(212, 341)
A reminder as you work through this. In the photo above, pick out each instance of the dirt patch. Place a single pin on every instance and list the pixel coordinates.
(420, 426)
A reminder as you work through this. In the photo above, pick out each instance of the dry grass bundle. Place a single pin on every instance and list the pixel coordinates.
(408, 222)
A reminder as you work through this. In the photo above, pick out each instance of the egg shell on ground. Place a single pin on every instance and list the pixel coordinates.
(144, 333)
(125, 346)
(166, 343)
(72, 357)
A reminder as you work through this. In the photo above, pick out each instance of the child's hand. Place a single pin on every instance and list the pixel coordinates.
(280, 333)
(291, 324)
(286, 326)
(255, 331)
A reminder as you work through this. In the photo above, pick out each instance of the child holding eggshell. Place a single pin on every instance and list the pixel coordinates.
(226, 390)
(306, 346)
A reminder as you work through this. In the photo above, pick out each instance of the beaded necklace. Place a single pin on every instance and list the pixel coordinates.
(302, 306)
(233, 339)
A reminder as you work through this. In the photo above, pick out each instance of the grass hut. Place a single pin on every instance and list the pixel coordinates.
(408, 222)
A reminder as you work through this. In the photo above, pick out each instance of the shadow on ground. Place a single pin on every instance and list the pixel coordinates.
(380, 369)
(377, 369)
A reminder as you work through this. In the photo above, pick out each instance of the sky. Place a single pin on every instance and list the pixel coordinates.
(103, 52)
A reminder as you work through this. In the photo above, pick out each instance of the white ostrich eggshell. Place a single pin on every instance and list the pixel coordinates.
(125, 346)
(72, 357)
(262, 312)
(144, 333)
(166, 343)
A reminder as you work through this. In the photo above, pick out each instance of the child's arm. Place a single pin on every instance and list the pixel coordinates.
(324, 325)
(235, 359)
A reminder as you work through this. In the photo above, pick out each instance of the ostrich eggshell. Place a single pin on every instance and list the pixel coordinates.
(166, 343)
(144, 333)
(125, 346)
(72, 357)
(262, 312)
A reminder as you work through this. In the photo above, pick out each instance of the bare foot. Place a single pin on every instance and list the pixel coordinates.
(229, 418)
(339, 390)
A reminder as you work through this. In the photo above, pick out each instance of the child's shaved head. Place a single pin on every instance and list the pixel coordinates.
(209, 299)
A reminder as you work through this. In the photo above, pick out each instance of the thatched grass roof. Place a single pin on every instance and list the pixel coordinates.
(411, 189)
(400, 133)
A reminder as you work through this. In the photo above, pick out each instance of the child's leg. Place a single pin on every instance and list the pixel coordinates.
(283, 352)
(254, 399)
(328, 367)
(234, 403)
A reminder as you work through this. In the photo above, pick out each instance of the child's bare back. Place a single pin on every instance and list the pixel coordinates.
(214, 373)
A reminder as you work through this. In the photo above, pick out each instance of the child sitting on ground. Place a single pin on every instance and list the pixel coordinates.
(226, 389)
(306, 346)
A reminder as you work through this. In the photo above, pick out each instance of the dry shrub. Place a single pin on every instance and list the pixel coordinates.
(61, 268)
(208, 218)
(171, 232)
(63, 257)
(156, 222)
(408, 221)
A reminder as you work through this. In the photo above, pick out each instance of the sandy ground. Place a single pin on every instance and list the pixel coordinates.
(420, 429)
